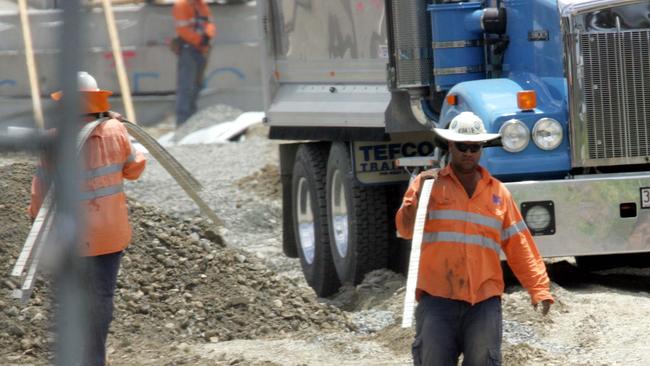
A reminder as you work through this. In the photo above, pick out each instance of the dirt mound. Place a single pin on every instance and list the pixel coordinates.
(264, 182)
(178, 284)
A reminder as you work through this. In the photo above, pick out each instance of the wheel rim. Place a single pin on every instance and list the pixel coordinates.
(306, 228)
(339, 214)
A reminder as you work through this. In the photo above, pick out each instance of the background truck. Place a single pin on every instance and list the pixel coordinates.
(354, 84)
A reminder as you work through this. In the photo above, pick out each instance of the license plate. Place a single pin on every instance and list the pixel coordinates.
(645, 197)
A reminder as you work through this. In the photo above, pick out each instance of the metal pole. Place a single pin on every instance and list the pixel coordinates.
(71, 314)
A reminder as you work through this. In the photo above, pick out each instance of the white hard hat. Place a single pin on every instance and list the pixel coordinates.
(466, 127)
(86, 82)
(93, 99)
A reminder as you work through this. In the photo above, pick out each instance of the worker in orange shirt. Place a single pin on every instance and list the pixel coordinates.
(109, 158)
(471, 220)
(195, 29)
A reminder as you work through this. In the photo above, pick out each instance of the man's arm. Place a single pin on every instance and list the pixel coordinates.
(523, 257)
(405, 217)
(135, 161)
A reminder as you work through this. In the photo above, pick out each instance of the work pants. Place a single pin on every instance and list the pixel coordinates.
(189, 80)
(101, 274)
(446, 328)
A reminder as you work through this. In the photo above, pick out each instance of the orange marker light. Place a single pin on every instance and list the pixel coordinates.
(527, 100)
(452, 99)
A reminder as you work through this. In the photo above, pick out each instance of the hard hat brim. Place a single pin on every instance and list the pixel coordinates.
(450, 135)
(58, 95)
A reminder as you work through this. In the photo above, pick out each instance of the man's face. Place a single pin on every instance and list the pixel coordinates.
(465, 155)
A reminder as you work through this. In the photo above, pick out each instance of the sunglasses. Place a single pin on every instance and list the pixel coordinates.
(463, 147)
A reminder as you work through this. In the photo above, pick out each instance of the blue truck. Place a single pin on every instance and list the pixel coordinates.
(352, 85)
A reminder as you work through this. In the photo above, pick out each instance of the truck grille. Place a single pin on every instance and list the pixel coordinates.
(616, 90)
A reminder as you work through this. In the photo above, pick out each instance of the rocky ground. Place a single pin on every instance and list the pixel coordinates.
(191, 293)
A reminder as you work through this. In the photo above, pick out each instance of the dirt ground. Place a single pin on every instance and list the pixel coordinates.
(190, 293)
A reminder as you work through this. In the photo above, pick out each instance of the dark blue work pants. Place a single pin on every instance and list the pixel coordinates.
(447, 328)
(101, 280)
(189, 79)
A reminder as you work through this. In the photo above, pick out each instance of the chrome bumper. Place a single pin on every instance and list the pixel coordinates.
(588, 215)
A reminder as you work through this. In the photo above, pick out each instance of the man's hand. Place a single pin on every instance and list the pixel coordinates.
(546, 306)
(115, 115)
(427, 174)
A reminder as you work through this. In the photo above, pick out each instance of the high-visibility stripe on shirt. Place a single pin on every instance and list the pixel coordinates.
(452, 237)
(101, 192)
(513, 229)
(184, 23)
(471, 217)
(105, 170)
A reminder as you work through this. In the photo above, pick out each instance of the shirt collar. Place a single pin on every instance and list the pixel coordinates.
(486, 177)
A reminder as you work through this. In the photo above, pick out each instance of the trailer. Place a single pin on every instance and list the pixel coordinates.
(353, 85)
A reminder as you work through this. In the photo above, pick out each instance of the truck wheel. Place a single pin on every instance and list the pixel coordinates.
(310, 219)
(358, 225)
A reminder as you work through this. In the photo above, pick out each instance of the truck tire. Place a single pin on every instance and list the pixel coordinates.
(310, 219)
(358, 219)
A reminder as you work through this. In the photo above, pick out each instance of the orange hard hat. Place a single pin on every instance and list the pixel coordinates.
(93, 99)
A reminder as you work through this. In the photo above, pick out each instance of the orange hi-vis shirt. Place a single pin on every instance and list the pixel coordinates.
(193, 19)
(109, 158)
(464, 237)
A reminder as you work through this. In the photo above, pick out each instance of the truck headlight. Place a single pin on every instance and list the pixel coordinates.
(515, 136)
(547, 134)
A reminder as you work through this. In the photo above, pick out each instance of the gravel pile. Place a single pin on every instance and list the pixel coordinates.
(241, 184)
(178, 283)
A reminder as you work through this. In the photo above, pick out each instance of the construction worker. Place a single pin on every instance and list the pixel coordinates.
(471, 220)
(195, 29)
(109, 158)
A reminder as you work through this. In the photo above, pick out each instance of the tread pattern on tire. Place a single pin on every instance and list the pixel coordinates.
(368, 220)
(370, 213)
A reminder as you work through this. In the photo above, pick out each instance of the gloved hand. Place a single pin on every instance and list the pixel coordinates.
(205, 40)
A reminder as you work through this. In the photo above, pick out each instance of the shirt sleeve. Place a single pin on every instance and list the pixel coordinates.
(405, 217)
(38, 191)
(522, 254)
(135, 161)
(210, 26)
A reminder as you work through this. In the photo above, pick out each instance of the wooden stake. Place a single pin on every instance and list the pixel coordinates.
(31, 65)
(119, 62)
